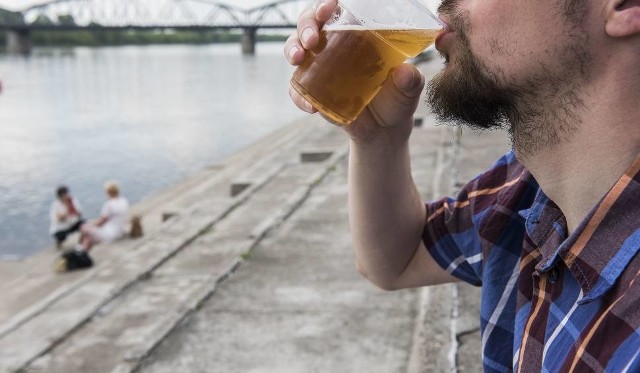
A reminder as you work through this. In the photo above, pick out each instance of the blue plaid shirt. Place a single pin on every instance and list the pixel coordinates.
(550, 302)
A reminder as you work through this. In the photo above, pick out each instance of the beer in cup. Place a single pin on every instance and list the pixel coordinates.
(358, 47)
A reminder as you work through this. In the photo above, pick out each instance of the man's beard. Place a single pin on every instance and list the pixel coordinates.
(539, 112)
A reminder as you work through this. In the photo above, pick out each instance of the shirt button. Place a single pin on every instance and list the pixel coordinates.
(554, 275)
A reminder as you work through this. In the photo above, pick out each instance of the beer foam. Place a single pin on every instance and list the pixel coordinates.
(344, 28)
(360, 28)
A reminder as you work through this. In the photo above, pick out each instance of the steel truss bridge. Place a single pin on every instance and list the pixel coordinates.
(97, 15)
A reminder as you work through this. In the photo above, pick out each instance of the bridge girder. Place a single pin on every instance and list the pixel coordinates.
(163, 13)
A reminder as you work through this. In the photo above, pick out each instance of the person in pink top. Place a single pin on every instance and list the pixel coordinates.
(65, 216)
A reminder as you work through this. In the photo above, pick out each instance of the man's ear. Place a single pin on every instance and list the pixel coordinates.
(623, 18)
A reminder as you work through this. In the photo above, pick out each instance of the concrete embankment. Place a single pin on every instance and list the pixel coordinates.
(253, 272)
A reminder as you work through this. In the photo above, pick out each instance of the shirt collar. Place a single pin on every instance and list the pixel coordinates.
(603, 244)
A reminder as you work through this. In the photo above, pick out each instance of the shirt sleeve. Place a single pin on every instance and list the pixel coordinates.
(456, 229)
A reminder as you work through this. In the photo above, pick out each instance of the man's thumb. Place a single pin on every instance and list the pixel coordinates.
(408, 81)
(399, 96)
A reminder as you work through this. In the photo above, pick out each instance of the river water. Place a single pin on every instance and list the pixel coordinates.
(145, 116)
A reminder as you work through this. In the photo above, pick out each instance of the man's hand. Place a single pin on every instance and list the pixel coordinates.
(390, 112)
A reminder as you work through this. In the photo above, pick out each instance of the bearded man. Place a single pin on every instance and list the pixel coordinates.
(552, 231)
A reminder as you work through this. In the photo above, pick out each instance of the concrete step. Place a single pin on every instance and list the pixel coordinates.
(181, 198)
(121, 329)
(296, 305)
(146, 313)
(317, 146)
(78, 301)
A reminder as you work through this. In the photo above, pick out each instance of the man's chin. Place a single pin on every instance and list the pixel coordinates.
(461, 104)
(462, 94)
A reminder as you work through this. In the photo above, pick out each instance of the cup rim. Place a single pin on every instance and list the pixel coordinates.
(416, 3)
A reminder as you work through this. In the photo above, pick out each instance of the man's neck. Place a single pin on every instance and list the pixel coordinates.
(577, 173)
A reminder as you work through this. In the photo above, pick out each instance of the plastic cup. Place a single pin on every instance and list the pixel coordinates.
(358, 47)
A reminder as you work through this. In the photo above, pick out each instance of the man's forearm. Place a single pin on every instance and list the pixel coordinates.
(385, 211)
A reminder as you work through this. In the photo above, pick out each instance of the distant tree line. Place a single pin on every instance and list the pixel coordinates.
(97, 38)
(130, 37)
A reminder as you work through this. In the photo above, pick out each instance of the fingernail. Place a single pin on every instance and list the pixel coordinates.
(306, 34)
(319, 4)
(292, 51)
(308, 106)
(405, 82)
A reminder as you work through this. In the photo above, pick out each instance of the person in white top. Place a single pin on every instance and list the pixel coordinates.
(112, 221)
(65, 215)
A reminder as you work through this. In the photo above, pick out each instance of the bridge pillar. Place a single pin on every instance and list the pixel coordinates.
(19, 41)
(249, 40)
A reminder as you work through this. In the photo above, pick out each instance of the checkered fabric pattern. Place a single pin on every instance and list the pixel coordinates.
(551, 302)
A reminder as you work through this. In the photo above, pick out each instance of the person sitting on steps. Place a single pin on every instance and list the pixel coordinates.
(110, 226)
(65, 215)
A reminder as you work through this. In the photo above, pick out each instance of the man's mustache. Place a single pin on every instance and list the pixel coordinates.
(447, 6)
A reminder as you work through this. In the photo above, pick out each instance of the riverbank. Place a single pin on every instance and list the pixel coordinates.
(253, 272)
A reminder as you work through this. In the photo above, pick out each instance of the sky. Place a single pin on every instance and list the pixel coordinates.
(21, 4)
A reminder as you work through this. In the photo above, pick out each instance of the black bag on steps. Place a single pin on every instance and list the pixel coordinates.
(73, 259)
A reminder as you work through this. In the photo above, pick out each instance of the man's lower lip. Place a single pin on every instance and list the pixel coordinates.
(439, 38)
